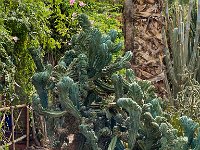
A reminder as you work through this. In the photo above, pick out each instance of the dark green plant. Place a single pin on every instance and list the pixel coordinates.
(24, 24)
(8, 83)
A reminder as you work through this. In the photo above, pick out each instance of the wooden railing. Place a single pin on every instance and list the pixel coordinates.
(15, 112)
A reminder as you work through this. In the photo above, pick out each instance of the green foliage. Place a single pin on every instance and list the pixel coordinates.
(182, 2)
(24, 27)
(48, 25)
(188, 100)
(63, 21)
(7, 68)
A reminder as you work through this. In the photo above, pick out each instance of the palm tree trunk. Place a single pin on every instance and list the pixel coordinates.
(142, 30)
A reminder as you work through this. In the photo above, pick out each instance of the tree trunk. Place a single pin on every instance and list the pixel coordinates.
(142, 30)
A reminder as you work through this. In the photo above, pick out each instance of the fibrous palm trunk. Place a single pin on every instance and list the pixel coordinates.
(142, 30)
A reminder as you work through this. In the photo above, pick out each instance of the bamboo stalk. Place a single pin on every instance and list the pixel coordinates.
(34, 130)
(8, 108)
(17, 118)
(4, 116)
(27, 126)
(15, 141)
(13, 130)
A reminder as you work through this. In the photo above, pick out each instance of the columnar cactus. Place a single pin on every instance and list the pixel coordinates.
(182, 53)
(182, 57)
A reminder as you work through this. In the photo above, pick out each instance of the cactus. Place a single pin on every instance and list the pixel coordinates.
(170, 140)
(64, 86)
(90, 136)
(107, 110)
(78, 79)
(189, 127)
(38, 61)
(182, 57)
(156, 109)
(152, 133)
(134, 111)
(40, 80)
(136, 93)
(183, 62)
(117, 81)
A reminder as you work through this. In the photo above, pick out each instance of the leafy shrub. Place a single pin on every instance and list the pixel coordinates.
(48, 25)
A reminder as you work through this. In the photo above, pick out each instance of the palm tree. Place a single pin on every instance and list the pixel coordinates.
(142, 30)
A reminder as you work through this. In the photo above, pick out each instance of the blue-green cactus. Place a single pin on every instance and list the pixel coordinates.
(189, 127)
(82, 74)
(134, 111)
(66, 60)
(152, 133)
(170, 140)
(40, 80)
(64, 86)
(90, 136)
(117, 81)
(197, 142)
(136, 93)
(74, 95)
(156, 109)
(86, 86)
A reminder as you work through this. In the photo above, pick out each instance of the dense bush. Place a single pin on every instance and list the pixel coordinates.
(46, 25)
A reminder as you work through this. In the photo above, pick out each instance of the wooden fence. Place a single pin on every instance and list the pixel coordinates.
(9, 131)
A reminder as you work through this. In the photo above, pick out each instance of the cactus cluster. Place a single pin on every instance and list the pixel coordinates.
(182, 58)
(181, 41)
(112, 111)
